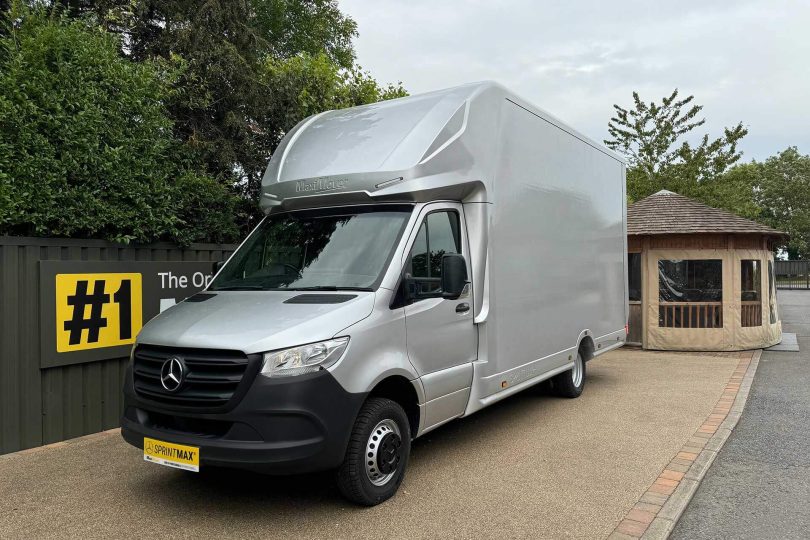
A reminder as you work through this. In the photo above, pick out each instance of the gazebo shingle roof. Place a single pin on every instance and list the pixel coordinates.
(666, 212)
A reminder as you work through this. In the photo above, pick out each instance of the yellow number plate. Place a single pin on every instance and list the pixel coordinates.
(171, 455)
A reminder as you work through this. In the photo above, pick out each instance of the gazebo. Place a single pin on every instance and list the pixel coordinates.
(700, 278)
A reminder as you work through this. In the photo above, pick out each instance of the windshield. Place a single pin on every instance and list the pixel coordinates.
(339, 248)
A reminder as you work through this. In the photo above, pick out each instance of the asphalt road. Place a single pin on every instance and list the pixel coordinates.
(532, 466)
(759, 485)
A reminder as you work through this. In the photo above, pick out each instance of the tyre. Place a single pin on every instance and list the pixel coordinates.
(377, 455)
(570, 383)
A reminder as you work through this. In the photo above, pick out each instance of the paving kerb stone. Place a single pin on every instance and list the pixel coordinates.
(677, 502)
(698, 470)
(680, 461)
(620, 536)
(734, 415)
(694, 441)
(716, 443)
(653, 498)
(677, 467)
(659, 528)
(652, 508)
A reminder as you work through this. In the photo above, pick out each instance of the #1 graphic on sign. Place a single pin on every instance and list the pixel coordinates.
(97, 310)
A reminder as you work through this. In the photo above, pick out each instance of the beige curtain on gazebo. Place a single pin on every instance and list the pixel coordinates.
(731, 335)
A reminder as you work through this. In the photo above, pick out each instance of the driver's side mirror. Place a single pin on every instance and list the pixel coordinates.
(454, 275)
(216, 266)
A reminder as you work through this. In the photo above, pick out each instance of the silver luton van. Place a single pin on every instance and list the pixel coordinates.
(420, 259)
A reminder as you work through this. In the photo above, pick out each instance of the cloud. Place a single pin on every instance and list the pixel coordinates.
(744, 60)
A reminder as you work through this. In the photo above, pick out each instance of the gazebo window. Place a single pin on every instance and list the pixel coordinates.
(751, 292)
(634, 277)
(690, 293)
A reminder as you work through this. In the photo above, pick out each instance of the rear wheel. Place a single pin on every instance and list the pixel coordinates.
(378, 453)
(570, 383)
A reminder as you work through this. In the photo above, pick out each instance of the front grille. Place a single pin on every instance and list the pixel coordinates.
(211, 377)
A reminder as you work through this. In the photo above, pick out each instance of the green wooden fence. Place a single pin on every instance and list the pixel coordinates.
(40, 405)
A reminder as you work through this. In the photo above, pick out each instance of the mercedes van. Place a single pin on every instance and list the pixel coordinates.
(420, 259)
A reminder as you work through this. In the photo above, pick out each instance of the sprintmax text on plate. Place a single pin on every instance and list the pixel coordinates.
(172, 453)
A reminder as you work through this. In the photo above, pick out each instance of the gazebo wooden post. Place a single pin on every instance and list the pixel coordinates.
(733, 273)
(645, 252)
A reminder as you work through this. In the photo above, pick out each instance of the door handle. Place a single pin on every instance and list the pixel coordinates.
(463, 307)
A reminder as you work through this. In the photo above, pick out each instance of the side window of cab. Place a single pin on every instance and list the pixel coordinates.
(439, 234)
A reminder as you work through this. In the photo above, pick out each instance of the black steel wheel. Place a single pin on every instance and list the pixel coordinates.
(378, 453)
(570, 383)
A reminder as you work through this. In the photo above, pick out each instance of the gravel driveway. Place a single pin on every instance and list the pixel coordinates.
(531, 466)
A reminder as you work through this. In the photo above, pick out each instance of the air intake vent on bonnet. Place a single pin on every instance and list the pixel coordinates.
(320, 298)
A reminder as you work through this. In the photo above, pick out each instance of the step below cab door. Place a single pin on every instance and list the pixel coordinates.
(442, 340)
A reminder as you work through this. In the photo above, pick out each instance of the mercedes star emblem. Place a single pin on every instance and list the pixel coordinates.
(171, 374)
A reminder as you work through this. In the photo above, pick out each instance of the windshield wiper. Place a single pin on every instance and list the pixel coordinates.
(328, 288)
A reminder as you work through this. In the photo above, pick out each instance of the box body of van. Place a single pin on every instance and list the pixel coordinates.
(420, 259)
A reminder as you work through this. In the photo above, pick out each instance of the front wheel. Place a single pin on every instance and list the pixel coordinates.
(570, 383)
(377, 454)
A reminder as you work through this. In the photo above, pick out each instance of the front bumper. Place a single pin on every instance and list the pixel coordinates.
(280, 426)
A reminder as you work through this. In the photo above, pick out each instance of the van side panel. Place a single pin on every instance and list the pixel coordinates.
(556, 252)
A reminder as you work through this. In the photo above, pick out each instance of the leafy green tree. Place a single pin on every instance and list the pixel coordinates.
(734, 190)
(86, 146)
(225, 106)
(783, 192)
(292, 27)
(217, 96)
(220, 47)
(651, 137)
(280, 28)
(217, 65)
(647, 134)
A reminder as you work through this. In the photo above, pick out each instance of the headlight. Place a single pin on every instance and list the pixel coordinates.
(303, 359)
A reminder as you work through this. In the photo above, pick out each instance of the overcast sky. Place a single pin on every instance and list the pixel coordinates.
(746, 60)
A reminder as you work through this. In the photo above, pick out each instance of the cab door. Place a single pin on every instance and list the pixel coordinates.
(442, 340)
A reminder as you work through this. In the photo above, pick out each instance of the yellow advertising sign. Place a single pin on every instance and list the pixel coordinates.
(94, 311)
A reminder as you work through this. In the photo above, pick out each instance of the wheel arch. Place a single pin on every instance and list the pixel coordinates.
(585, 345)
(402, 391)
